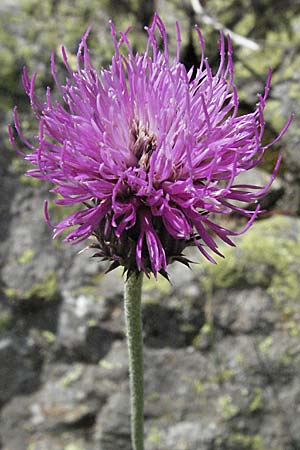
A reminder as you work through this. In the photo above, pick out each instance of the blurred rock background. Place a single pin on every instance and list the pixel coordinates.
(222, 343)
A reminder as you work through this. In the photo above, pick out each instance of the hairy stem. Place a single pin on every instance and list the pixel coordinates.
(133, 320)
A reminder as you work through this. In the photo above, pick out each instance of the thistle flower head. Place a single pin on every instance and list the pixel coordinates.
(149, 150)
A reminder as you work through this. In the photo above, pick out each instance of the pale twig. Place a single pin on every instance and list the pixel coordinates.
(208, 20)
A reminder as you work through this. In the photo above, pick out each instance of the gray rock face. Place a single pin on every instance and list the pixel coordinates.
(245, 311)
(113, 427)
(20, 367)
(232, 385)
(82, 332)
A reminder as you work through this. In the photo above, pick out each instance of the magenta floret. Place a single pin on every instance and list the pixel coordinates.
(149, 150)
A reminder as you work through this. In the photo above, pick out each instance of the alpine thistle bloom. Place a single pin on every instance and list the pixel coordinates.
(149, 150)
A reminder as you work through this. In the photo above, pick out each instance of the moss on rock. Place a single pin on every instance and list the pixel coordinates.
(268, 255)
(5, 320)
(245, 442)
(46, 289)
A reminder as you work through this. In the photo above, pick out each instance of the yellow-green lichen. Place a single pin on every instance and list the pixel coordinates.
(257, 401)
(245, 25)
(223, 375)
(5, 320)
(48, 336)
(246, 441)
(205, 334)
(153, 397)
(227, 408)
(187, 328)
(46, 290)
(154, 436)
(26, 256)
(240, 359)
(273, 114)
(109, 365)
(199, 386)
(30, 181)
(73, 446)
(265, 344)
(153, 290)
(73, 375)
(293, 328)
(11, 293)
(290, 356)
(265, 257)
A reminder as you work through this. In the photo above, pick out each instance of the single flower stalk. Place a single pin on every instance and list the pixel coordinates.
(149, 152)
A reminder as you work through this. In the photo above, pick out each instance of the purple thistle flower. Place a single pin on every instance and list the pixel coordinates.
(149, 150)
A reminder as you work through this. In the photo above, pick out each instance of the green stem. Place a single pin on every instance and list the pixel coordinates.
(133, 320)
